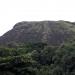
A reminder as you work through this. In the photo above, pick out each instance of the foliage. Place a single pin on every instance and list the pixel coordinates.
(38, 59)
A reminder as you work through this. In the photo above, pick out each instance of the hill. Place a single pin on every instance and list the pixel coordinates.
(51, 32)
(27, 49)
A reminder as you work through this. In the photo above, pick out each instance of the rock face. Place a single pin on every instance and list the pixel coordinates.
(51, 32)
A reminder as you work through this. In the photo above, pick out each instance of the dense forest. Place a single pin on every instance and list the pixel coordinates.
(37, 59)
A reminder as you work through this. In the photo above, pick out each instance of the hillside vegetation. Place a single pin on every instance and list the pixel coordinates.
(38, 59)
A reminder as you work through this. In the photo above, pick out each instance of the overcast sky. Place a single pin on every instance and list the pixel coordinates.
(13, 11)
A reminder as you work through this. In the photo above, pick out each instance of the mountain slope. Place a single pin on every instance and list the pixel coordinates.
(51, 32)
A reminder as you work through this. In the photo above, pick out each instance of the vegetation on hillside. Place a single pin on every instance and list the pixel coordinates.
(37, 59)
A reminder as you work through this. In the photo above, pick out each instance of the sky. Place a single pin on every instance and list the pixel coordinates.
(13, 11)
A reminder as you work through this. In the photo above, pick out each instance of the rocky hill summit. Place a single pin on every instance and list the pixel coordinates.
(51, 32)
